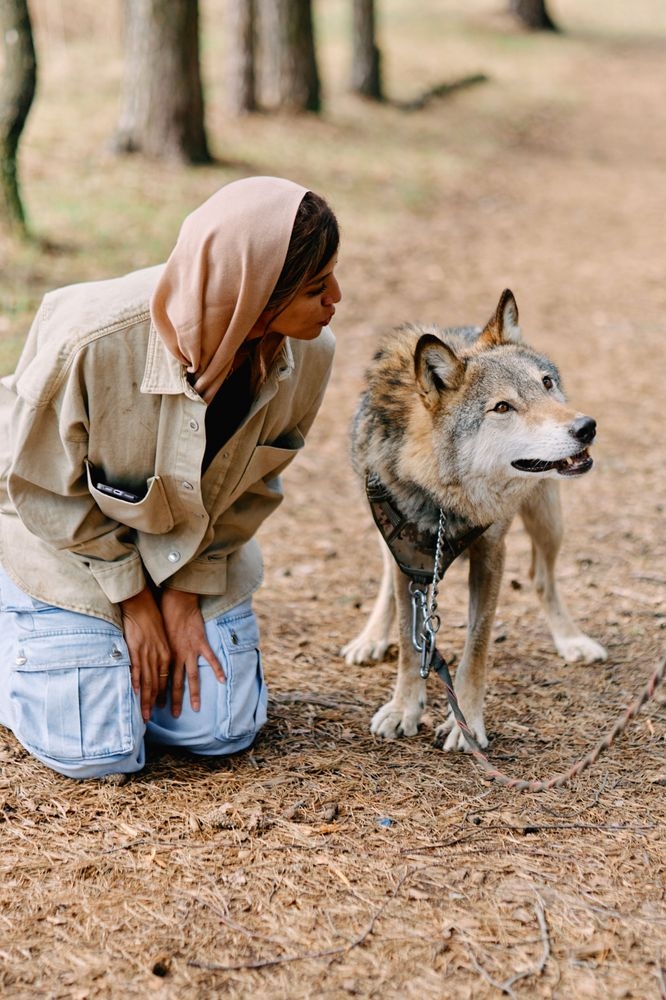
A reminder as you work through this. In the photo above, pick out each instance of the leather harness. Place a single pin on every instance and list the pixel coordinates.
(414, 550)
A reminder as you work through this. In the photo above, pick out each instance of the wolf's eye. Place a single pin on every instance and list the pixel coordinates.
(502, 407)
(547, 382)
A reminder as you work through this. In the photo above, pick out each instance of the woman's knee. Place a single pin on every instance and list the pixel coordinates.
(232, 711)
(89, 768)
(68, 694)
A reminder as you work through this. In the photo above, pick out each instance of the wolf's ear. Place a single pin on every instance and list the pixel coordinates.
(503, 327)
(437, 368)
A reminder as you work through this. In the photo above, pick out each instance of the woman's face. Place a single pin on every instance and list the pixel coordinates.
(311, 309)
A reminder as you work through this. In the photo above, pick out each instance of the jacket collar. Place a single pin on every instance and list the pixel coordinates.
(165, 375)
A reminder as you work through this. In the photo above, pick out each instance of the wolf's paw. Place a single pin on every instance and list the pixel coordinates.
(580, 647)
(365, 649)
(449, 736)
(393, 720)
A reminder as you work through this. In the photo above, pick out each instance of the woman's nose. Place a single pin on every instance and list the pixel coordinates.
(333, 293)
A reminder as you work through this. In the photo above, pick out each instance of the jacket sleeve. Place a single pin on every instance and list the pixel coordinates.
(48, 488)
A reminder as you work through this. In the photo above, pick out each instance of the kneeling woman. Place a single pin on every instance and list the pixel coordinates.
(146, 427)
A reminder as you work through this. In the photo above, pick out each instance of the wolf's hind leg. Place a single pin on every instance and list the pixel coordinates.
(542, 517)
(373, 641)
(402, 714)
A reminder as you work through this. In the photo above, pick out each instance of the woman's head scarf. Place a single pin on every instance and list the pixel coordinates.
(221, 273)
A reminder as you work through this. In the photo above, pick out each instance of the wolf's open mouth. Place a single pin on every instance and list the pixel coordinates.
(576, 465)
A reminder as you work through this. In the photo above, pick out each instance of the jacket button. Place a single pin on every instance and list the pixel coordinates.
(194, 425)
(174, 556)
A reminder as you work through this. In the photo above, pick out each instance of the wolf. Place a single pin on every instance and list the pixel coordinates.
(474, 423)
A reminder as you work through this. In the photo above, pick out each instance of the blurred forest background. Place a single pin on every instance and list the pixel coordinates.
(93, 212)
(327, 863)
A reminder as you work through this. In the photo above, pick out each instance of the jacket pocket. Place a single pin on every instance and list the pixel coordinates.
(150, 514)
(267, 462)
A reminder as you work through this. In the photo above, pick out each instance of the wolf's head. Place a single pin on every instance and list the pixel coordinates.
(469, 417)
(497, 407)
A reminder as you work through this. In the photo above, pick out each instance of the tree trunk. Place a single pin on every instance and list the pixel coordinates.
(366, 59)
(163, 107)
(242, 51)
(533, 14)
(290, 77)
(16, 94)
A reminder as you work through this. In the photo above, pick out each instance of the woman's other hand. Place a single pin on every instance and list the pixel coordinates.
(148, 646)
(186, 634)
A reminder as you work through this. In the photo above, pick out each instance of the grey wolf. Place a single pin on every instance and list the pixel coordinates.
(475, 422)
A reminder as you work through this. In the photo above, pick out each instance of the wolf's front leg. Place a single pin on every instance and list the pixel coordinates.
(542, 517)
(486, 564)
(372, 642)
(402, 714)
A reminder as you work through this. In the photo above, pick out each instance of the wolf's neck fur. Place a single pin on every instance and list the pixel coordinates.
(472, 504)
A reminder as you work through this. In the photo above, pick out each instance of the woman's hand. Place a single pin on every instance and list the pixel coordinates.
(148, 647)
(186, 634)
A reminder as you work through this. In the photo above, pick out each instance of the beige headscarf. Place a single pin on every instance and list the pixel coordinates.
(221, 273)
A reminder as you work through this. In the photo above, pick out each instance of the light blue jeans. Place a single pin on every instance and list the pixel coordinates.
(66, 693)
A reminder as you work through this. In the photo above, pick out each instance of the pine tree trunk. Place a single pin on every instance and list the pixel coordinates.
(17, 90)
(533, 14)
(366, 60)
(290, 77)
(242, 50)
(163, 108)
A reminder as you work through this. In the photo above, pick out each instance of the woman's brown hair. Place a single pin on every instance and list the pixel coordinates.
(314, 241)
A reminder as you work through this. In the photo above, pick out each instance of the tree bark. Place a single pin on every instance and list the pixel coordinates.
(163, 107)
(290, 76)
(16, 95)
(366, 58)
(533, 14)
(242, 54)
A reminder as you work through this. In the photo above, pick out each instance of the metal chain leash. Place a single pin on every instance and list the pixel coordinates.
(426, 622)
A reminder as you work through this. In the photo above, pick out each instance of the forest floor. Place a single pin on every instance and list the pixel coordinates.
(326, 863)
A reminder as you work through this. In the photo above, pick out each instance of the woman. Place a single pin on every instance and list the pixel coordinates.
(146, 427)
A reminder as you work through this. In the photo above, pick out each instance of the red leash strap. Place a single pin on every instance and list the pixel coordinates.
(557, 780)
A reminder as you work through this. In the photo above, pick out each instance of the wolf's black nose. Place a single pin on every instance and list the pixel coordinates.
(584, 429)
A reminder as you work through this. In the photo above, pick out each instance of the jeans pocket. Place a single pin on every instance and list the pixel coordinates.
(243, 698)
(72, 694)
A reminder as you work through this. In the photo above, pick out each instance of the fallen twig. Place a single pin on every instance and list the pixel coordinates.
(324, 953)
(440, 90)
(507, 984)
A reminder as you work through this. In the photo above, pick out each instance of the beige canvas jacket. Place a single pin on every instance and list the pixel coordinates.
(96, 398)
